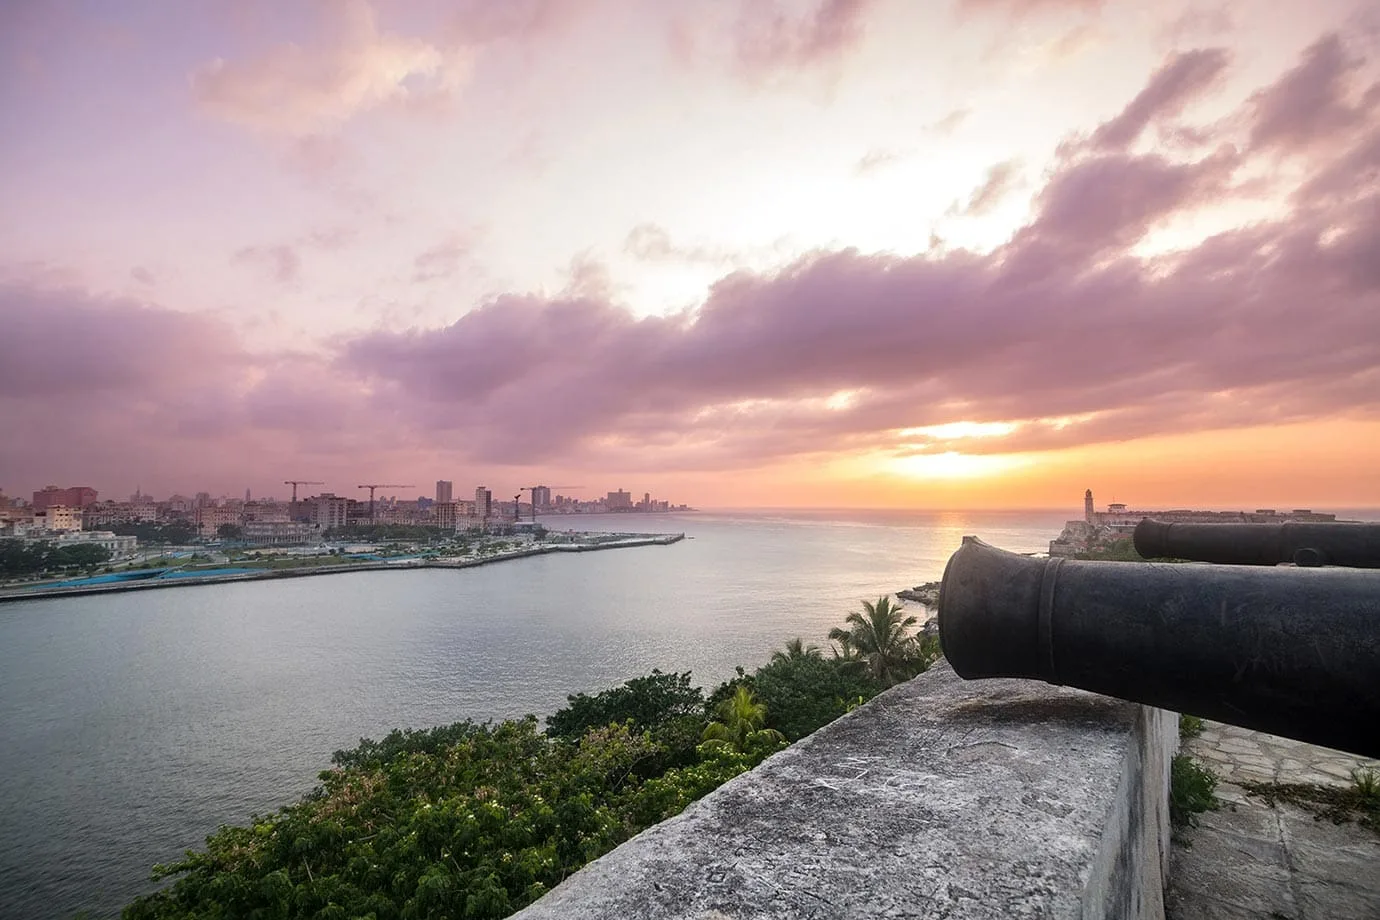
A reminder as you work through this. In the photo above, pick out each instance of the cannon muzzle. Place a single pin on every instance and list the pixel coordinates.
(1303, 543)
(1293, 652)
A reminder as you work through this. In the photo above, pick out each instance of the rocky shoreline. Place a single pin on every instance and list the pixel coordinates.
(926, 595)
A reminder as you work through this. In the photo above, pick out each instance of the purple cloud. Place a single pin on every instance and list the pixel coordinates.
(1001, 180)
(1314, 102)
(444, 259)
(773, 36)
(1182, 78)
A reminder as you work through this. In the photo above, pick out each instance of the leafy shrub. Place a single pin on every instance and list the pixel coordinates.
(803, 694)
(1366, 783)
(1192, 791)
(404, 741)
(648, 703)
(1189, 726)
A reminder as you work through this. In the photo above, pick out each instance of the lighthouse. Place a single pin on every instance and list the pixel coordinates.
(1088, 514)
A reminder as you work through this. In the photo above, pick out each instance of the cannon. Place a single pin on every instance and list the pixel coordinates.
(1285, 650)
(1302, 543)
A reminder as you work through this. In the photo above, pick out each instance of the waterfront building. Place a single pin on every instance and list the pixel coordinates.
(72, 497)
(117, 545)
(619, 501)
(211, 518)
(328, 510)
(483, 502)
(444, 491)
(445, 515)
(264, 510)
(277, 532)
(541, 497)
(57, 518)
(106, 513)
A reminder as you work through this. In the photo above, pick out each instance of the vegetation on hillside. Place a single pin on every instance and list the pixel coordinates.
(476, 821)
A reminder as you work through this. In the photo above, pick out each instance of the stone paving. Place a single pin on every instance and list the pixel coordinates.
(1252, 860)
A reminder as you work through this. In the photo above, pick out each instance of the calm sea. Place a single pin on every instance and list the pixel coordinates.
(134, 724)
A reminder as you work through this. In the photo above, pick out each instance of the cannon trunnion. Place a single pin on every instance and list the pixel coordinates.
(1290, 651)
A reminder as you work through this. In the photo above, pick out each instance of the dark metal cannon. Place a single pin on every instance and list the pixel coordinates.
(1302, 543)
(1290, 651)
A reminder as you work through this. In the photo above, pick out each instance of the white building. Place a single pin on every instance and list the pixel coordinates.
(117, 545)
(277, 533)
(58, 519)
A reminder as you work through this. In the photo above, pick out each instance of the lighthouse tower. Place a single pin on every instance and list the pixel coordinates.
(1089, 514)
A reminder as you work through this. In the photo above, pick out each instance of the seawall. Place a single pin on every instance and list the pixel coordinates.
(940, 798)
(33, 593)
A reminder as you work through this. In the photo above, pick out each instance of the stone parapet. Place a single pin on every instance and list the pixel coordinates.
(940, 798)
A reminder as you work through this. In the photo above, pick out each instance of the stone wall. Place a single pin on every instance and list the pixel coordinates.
(940, 798)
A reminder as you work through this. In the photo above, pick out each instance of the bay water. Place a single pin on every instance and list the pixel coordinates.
(132, 725)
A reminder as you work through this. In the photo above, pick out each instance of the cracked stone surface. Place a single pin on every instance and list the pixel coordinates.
(1252, 860)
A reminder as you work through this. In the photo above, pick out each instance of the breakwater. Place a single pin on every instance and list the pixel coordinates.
(210, 578)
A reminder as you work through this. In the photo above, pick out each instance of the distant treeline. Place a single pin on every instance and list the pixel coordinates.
(19, 557)
(174, 532)
(378, 533)
(477, 821)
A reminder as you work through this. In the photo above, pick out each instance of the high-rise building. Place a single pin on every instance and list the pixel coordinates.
(541, 497)
(444, 494)
(329, 510)
(446, 514)
(619, 501)
(483, 502)
(73, 497)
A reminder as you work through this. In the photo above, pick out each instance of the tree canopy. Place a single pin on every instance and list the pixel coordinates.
(20, 557)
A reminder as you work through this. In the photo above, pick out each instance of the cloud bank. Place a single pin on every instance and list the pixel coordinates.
(1070, 333)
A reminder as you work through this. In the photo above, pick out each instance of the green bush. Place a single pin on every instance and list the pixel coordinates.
(1366, 783)
(1192, 791)
(804, 694)
(1189, 726)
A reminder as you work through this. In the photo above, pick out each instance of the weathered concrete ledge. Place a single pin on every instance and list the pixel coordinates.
(940, 798)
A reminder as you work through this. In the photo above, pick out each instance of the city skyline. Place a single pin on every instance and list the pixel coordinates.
(862, 253)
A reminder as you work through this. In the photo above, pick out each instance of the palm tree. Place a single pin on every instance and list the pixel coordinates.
(740, 724)
(878, 636)
(845, 653)
(796, 650)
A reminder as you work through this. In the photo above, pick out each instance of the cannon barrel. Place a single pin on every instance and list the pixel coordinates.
(1302, 543)
(1293, 652)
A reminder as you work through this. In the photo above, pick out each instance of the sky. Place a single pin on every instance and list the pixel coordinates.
(755, 253)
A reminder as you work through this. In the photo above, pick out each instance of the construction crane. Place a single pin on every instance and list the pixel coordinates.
(534, 504)
(301, 482)
(380, 485)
